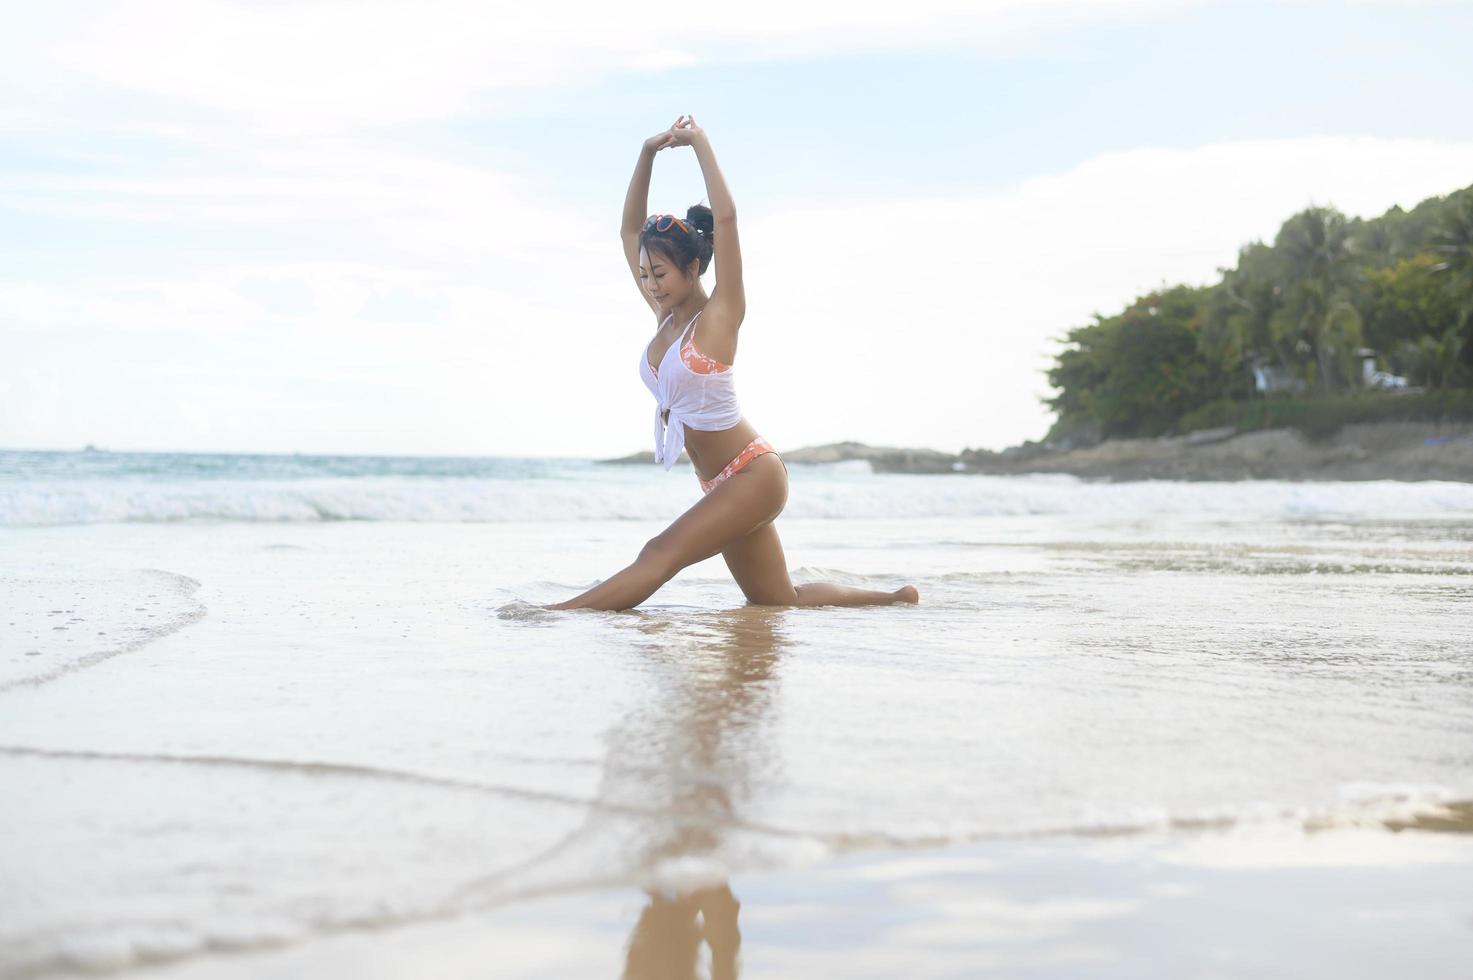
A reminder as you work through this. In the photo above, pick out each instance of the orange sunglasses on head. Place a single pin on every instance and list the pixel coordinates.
(663, 222)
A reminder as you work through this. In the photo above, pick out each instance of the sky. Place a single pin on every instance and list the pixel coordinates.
(392, 228)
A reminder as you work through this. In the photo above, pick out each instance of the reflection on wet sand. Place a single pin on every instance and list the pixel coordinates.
(695, 753)
(666, 942)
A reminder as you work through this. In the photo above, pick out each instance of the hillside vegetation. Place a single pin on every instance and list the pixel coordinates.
(1284, 336)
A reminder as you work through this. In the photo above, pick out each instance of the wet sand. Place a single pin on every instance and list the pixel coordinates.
(1251, 903)
(1106, 744)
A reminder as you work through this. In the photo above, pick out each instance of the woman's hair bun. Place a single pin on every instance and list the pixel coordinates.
(700, 218)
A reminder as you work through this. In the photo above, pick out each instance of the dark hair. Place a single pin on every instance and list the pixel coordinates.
(681, 246)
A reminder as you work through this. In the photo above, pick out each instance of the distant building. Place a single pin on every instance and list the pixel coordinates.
(1270, 378)
(1371, 377)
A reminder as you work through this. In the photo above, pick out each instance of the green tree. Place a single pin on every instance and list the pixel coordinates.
(1404, 302)
(1436, 362)
(1317, 314)
(1239, 315)
(1453, 246)
(1136, 373)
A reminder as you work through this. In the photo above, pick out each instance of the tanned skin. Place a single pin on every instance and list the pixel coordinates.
(735, 519)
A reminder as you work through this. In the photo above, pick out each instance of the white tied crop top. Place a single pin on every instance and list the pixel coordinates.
(706, 402)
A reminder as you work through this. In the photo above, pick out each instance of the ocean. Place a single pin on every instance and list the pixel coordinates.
(304, 716)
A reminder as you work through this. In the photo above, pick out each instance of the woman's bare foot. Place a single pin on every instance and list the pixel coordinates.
(907, 593)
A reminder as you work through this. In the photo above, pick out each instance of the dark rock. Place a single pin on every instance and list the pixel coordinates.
(1203, 437)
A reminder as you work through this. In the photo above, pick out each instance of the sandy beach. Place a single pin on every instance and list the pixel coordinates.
(1132, 730)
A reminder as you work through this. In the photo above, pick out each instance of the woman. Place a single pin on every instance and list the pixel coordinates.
(743, 481)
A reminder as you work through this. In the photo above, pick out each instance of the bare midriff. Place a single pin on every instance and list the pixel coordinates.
(710, 451)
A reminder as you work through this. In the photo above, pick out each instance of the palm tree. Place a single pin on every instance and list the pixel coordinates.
(1316, 249)
(1453, 246)
(1434, 361)
(1238, 321)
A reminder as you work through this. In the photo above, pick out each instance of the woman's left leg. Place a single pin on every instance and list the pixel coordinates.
(760, 568)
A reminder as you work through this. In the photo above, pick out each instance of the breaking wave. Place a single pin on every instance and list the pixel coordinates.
(58, 489)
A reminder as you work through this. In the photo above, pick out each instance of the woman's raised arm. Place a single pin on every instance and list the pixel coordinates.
(637, 203)
(729, 297)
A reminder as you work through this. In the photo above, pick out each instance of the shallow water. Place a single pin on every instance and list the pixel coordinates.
(260, 733)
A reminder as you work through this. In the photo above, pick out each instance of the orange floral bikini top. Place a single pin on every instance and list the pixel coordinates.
(698, 363)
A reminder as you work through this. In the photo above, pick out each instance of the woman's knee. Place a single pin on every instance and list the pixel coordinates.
(660, 557)
(774, 595)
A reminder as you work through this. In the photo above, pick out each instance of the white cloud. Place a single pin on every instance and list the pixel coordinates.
(318, 66)
(336, 185)
(430, 328)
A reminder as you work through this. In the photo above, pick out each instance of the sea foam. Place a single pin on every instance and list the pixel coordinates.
(62, 620)
(608, 494)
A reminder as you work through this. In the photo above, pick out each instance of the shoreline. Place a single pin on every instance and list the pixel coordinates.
(1157, 905)
(1403, 451)
(367, 766)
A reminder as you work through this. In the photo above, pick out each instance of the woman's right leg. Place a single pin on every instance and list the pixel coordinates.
(833, 594)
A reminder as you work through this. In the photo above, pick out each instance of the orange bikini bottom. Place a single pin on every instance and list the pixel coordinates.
(755, 448)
